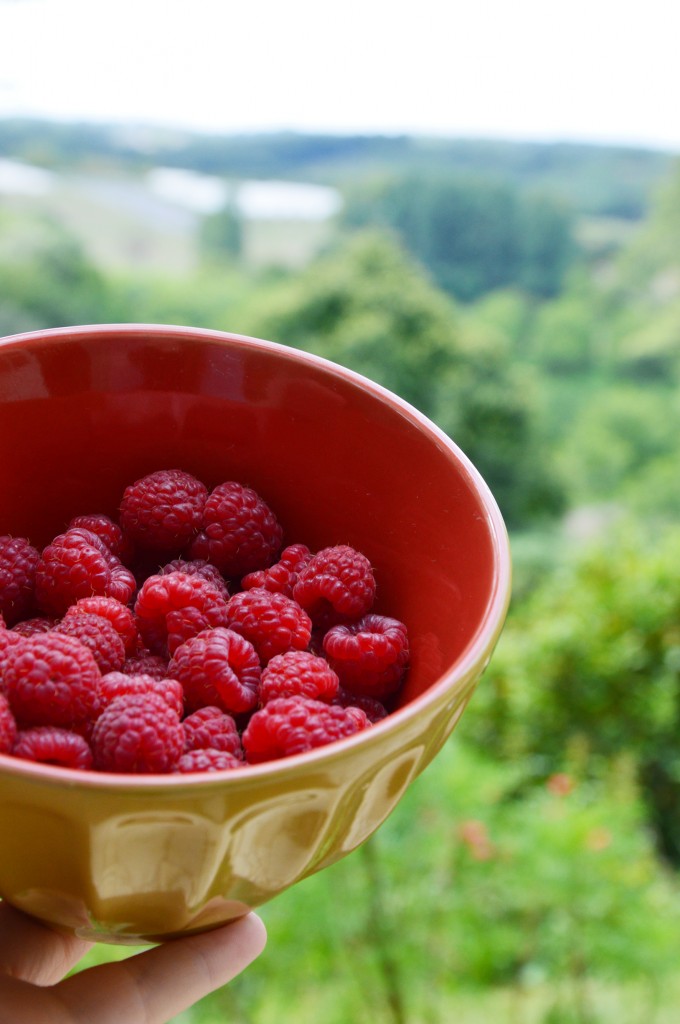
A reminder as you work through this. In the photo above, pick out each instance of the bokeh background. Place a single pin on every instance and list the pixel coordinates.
(479, 207)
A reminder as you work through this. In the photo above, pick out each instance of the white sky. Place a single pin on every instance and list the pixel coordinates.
(593, 70)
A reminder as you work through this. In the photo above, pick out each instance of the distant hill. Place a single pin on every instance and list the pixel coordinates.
(593, 179)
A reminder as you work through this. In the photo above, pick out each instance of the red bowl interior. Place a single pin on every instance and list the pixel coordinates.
(85, 411)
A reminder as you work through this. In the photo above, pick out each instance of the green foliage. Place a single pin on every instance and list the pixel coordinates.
(221, 235)
(46, 279)
(650, 350)
(214, 297)
(563, 335)
(496, 422)
(656, 248)
(592, 656)
(620, 436)
(508, 313)
(368, 307)
(474, 236)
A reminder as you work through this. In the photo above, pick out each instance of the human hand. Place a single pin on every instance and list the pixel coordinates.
(149, 988)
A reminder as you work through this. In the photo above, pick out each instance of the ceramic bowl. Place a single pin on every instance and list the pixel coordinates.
(86, 410)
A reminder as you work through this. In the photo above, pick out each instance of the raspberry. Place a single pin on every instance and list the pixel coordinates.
(108, 531)
(273, 623)
(298, 674)
(93, 678)
(79, 534)
(96, 633)
(170, 609)
(199, 567)
(146, 664)
(51, 679)
(8, 638)
(281, 577)
(239, 532)
(336, 585)
(119, 615)
(374, 709)
(137, 733)
(78, 564)
(162, 511)
(218, 668)
(8, 727)
(207, 760)
(29, 627)
(117, 684)
(51, 745)
(369, 656)
(209, 727)
(293, 725)
(18, 562)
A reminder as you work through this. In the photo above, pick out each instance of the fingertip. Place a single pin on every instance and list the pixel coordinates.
(247, 934)
(257, 932)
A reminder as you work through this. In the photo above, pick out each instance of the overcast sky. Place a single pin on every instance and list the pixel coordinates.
(593, 70)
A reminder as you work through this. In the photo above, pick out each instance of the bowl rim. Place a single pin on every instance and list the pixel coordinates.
(477, 650)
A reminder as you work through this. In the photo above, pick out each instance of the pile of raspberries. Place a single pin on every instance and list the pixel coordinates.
(185, 637)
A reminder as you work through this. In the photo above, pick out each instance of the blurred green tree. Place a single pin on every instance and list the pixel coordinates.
(655, 250)
(368, 306)
(47, 279)
(592, 658)
(473, 235)
(221, 235)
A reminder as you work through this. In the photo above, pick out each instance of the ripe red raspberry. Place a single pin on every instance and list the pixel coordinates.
(51, 745)
(146, 664)
(218, 668)
(293, 725)
(162, 511)
(78, 564)
(29, 627)
(51, 679)
(239, 532)
(96, 633)
(8, 638)
(370, 656)
(8, 727)
(207, 760)
(117, 684)
(336, 585)
(137, 733)
(79, 534)
(199, 567)
(119, 615)
(110, 532)
(273, 623)
(282, 576)
(210, 727)
(18, 562)
(170, 609)
(374, 709)
(298, 674)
